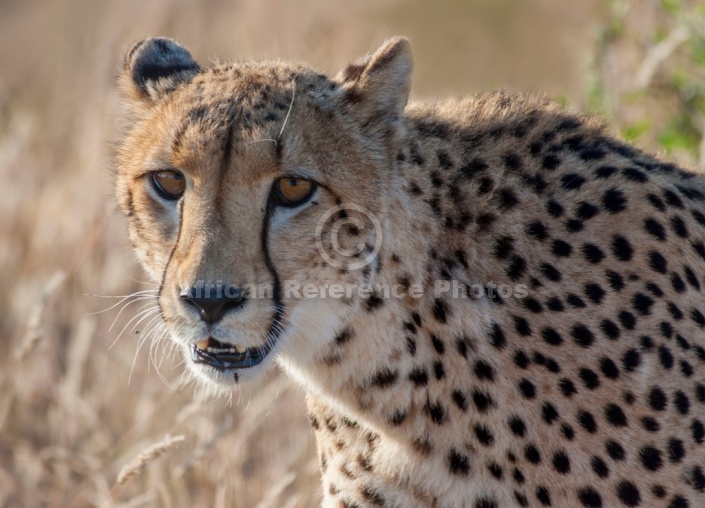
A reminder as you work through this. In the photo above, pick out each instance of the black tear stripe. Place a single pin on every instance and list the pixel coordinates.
(171, 254)
(228, 148)
(274, 331)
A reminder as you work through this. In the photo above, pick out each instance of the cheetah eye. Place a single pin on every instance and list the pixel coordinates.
(292, 191)
(169, 184)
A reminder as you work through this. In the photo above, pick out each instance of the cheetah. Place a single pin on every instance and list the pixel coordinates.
(543, 342)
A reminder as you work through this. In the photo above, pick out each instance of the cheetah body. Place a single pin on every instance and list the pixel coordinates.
(583, 388)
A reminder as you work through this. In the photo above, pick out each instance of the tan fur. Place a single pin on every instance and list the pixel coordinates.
(546, 398)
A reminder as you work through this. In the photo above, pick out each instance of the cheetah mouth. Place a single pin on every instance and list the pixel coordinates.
(223, 356)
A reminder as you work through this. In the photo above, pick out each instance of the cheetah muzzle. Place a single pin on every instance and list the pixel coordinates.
(532, 326)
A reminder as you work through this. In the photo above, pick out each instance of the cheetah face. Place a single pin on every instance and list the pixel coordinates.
(232, 179)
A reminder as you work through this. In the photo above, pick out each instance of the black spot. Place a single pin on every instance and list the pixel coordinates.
(507, 198)
(698, 430)
(568, 431)
(561, 248)
(521, 360)
(385, 378)
(521, 325)
(567, 387)
(589, 498)
(697, 478)
(593, 253)
(460, 400)
(656, 202)
(650, 424)
(436, 412)
(635, 175)
(572, 181)
(550, 272)
(621, 248)
(587, 421)
(482, 401)
(615, 280)
(672, 198)
(543, 496)
(678, 226)
(440, 310)
(594, 293)
(555, 304)
(631, 360)
(610, 329)
(411, 345)
(474, 167)
(614, 201)
(650, 458)
(374, 497)
(485, 502)
(517, 426)
(561, 463)
(657, 262)
(676, 450)
(527, 388)
(586, 211)
(438, 370)
(615, 415)
(551, 336)
(681, 402)
(691, 278)
(484, 370)
(419, 376)
(605, 171)
(483, 434)
(549, 413)
(532, 454)
(495, 470)
(627, 320)
(655, 229)
(609, 368)
(554, 209)
(589, 378)
(458, 463)
(537, 230)
(599, 467)
(642, 303)
(582, 335)
(665, 357)
(698, 317)
(615, 450)
(628, 493)
(657, 399)
(574, 225)
(516, 268)
(398, 417)
(497, 338)
(444, 160)
(550, 162)
(438, 345)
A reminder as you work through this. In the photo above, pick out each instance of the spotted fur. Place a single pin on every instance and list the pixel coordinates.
(587, 390)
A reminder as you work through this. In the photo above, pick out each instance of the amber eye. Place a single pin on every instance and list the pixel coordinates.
(293, 191)
(169, 184)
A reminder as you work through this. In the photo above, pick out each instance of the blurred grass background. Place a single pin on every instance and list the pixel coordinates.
(74, 410)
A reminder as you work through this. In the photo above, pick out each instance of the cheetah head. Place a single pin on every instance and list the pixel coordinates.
(233, 180)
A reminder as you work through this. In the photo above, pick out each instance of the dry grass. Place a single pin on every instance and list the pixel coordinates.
(74, 411)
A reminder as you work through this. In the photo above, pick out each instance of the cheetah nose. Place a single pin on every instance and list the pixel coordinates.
(211, 308)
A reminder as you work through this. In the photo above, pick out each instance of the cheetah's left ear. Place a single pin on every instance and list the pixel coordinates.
(376, 88)
(152, 68)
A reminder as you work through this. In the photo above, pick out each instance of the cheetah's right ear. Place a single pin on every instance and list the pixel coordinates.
(376, 88)
(152, 68)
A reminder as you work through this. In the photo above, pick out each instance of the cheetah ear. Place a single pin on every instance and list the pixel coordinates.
(152, 68)
(376, 87)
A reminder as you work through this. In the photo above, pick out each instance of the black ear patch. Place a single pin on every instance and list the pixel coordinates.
(156, 66)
